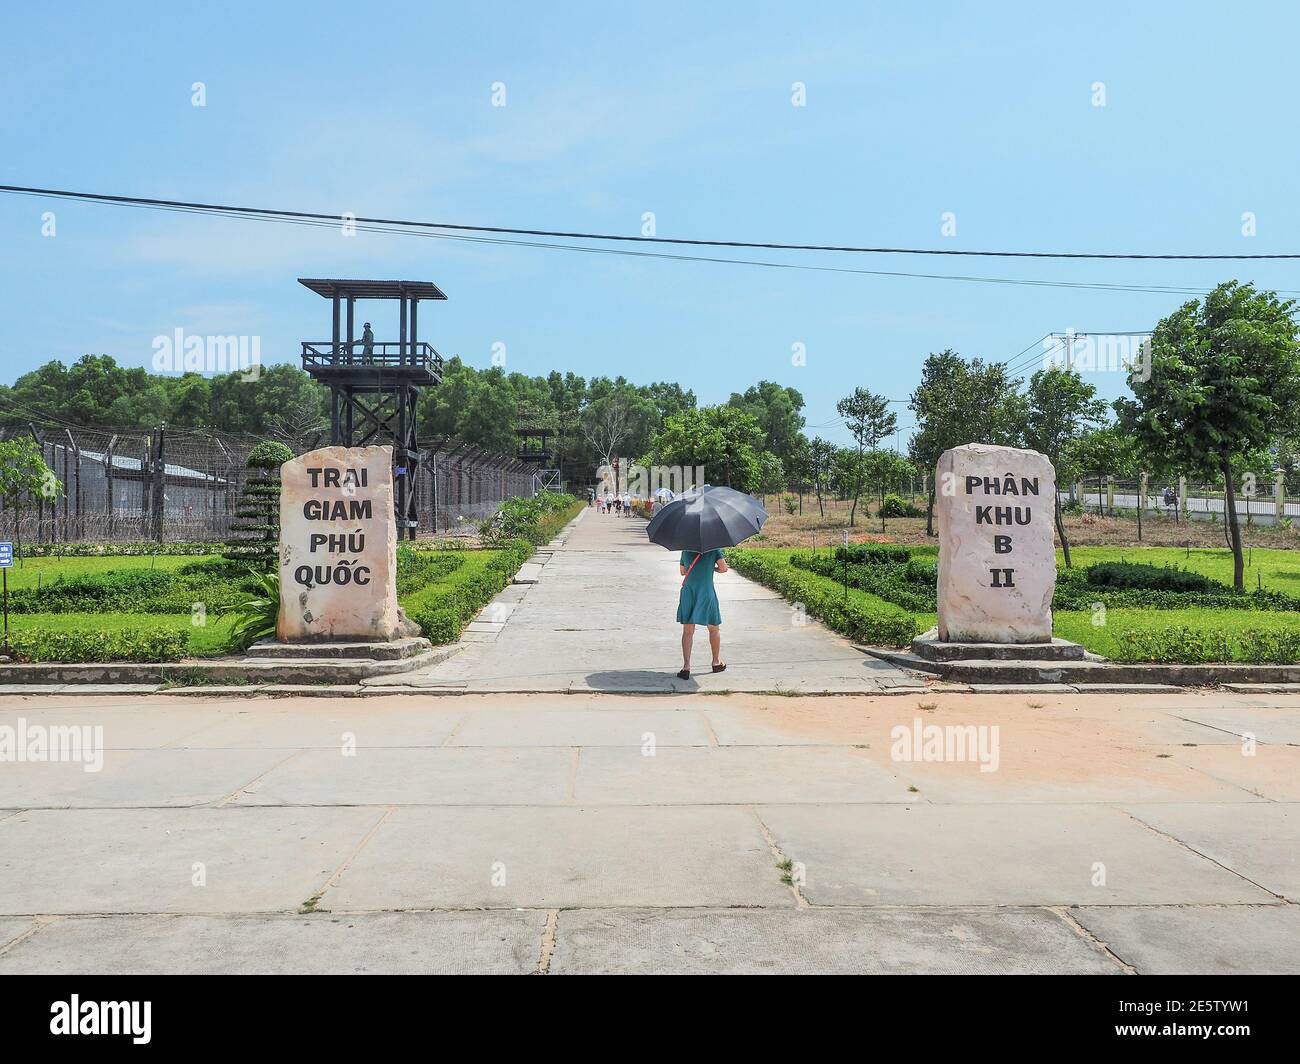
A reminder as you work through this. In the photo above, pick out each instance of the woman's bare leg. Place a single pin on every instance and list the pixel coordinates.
(715, 643)
(688, 637)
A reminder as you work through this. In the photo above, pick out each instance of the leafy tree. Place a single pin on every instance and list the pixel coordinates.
(1106, 450)
(777, 410)
(725, 440)
(1224, 382)
(24, 479)
(821, 464)
(1060, 405)
(869, 420)
(960, 402)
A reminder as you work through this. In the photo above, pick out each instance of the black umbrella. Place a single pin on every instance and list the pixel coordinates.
(705, 519)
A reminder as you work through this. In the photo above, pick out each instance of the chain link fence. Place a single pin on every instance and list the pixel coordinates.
(183, 486)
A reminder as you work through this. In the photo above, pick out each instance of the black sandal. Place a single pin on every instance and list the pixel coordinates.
(685, 674)
(720, 668)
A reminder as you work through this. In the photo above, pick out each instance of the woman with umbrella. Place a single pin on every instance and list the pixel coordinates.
(697, 603)
(699, 524)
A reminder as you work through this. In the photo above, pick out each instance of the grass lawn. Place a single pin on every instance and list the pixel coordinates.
(206, 641)
(1279, 570)
(52, 568)
(1079, 628)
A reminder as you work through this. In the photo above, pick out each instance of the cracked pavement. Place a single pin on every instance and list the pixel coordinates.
(622, 833)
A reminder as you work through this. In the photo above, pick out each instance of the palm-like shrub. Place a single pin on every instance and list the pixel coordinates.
(257, 615)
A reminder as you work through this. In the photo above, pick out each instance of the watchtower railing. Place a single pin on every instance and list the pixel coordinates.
(322, 353)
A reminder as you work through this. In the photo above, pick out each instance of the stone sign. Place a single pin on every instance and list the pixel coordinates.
(338, 547)
(997, 557)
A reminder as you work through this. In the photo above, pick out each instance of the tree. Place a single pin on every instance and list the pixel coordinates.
(777, 410)
(25, 477)
(821, 462)
(868, 418)
(1224, 381)
(256, 526)
(726, 441)
(1106, 450)
(1059, 406)
(613, 423)
(960, 402)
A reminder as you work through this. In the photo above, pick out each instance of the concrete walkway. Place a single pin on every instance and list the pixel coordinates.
(601, 617)
(597, 833)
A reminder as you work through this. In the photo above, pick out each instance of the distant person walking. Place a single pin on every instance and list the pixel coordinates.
(697, 603)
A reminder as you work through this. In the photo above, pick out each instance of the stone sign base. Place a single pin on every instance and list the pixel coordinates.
(353, 650)
(930, 647)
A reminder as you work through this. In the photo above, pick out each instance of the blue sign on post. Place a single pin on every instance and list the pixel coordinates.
(6, 555)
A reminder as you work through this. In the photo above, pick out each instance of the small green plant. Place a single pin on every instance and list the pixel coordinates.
(257, 615)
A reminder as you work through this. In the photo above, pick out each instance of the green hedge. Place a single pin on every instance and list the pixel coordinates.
(1151, 577)
(214, 584)
(444, 608)
(140, 645)
(910, 584)
(1075, 591)
(536, 518)
(864, 618)
(1178, 644)
(416, 569)
(111, 550)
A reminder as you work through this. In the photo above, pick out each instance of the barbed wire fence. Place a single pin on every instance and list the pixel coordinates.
(183, 486)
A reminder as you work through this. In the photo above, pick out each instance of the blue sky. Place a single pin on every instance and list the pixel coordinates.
(683, 110)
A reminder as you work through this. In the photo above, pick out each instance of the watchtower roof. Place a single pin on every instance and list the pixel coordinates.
(329, 287)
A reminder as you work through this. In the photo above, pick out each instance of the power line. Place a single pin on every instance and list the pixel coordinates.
(268, 212)
(1030, 282)
(334, 223)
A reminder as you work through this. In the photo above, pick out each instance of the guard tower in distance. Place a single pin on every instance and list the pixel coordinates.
(535, 432)
(374, 384)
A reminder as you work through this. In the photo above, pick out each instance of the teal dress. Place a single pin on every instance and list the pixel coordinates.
(698, 603)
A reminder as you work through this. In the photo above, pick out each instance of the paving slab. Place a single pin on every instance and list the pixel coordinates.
(1200, 940)
(811, 941)
(149, 860)
(503, 942)
(390, 776)
(126, 726)
(1021, 688)
(609, 587)
(529, 573)
(734, 775)
(643, 728)
(12, 928)
(1271, 772)
(330, 725)
(138, 778)
(993, 855)
(1260, 841)
(503, 857)
(1267, 725)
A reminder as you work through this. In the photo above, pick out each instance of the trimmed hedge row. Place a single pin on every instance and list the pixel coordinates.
(910, 584)
(874, 622)
(1153, 577)
(141, 645)
(1075, 591)
(111, 550)
(214, 585)
(1180, 645)
(443, 609)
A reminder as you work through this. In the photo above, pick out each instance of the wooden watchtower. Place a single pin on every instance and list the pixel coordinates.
(374, 384)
